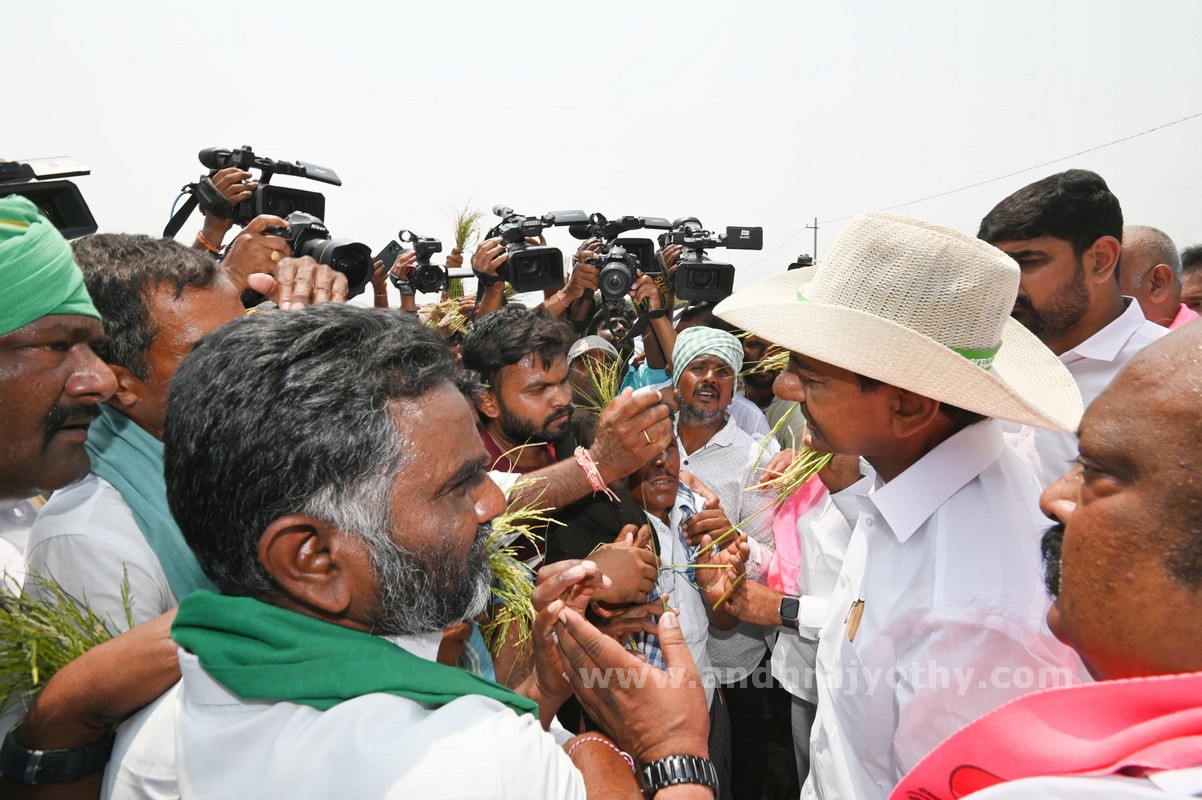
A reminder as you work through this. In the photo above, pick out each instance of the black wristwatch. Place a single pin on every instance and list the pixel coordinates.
(790, 608)
(38, 767)
(675, 770)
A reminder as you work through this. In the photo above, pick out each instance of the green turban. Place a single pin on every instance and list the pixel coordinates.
(702, 341)
(38, 275)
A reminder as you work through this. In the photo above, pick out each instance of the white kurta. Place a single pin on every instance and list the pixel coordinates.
(945, 558)
(216, 745)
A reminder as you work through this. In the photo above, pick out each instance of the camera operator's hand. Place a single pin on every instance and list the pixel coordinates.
(671, 254)
(379, 284)
(235, 185)
(645, 291)
(298, 283)
(402, 268)
(455, 259)
(253, 251)
(583, 280)
(490, 256)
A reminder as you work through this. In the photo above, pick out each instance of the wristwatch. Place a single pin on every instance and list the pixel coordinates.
(675, 770)
(37, 767)
(789, 611)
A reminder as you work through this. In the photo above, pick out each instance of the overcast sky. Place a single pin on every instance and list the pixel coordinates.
(764, 114)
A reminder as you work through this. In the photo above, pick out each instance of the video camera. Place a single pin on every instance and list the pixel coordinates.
(623, 257)
(59, 201)
(267, 199)
(308, 236)
(425, 276)
(697, 277)
(530, 268)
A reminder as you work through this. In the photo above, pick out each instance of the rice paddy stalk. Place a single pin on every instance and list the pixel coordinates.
(604, 377)
(467, 224)
(42, 636)
(446, 318)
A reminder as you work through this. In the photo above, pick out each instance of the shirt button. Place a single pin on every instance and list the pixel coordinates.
(685, 462)
(842, 580)
(868, 522)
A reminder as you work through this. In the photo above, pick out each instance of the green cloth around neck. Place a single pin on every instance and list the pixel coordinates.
(38, 275)
(262, 652)
(132, 461)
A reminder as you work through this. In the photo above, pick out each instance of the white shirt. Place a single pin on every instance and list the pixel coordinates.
(216, 745)
(1093, 365)
(824, 531)
(87, 539)
(748, 417)
(16, 519)
(728, 464)
(1156, 786)
(946, 560)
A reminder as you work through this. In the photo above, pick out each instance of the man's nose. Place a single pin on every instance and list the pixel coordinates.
(90, 380)
(1059, 500)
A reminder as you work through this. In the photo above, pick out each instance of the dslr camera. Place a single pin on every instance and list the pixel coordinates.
(530, 268)
(624, 257)
(697, 277)
(308, 236)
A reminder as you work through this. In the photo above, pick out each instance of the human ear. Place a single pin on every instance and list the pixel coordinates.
(1105, 252)
(1161, 282)
(487, 405)
(910, 412)
(129, 389)
(309, 559)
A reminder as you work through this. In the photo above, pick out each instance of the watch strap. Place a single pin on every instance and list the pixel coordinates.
(37, 767)
(675, 770)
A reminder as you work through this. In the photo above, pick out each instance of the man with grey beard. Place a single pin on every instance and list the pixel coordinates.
(325, 469)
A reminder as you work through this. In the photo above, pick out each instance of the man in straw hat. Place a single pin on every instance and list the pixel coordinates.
(903, 350)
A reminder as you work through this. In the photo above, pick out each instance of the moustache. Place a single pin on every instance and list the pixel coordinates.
(562, 415)
(61, 415)
(1050, 547)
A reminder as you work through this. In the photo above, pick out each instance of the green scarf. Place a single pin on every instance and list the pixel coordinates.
(132, 461)
(263, 652)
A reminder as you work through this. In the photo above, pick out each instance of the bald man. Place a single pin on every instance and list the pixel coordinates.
(1150, 271)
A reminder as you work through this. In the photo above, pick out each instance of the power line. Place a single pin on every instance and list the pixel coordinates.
(797, 233)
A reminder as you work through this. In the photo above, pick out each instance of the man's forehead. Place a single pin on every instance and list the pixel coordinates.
(709, 360)
(532, 369)
(76, 326)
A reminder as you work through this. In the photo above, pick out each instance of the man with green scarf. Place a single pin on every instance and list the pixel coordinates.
(111, 531)
(344, 537)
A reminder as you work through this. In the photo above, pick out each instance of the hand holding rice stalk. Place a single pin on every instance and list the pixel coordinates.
(513, 581)
(42, 636)
(467, 222)
(604, 378)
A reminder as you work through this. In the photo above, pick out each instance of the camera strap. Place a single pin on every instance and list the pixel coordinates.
(181, 216)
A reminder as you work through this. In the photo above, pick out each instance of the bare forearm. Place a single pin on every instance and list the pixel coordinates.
(606, 774)
(489, 301)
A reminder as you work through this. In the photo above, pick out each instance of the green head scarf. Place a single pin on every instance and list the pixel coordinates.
(38, 275)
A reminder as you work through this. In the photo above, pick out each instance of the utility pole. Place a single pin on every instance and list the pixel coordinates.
(814, 228)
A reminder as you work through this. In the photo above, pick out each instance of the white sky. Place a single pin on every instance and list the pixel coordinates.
(766, 113)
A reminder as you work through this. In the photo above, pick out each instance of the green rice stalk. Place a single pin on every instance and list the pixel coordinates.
(734, 585)
(467, 224)
(513, 582)
(776, 359)
(604, 378)
(806, 464)
(40, 637)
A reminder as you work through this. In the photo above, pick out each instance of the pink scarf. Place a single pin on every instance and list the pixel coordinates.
(1093, 729)
(785, 563)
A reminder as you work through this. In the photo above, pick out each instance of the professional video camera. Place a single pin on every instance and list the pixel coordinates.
(267, 199)
(308, 236)
(424, 276)
(59, 201)
(530, 268)
(623, 257)
(803, 260)
(697, 277)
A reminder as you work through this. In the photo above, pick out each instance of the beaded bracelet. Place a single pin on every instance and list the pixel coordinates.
(625, 756)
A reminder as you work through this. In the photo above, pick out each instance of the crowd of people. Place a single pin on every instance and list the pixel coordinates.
(920, 521)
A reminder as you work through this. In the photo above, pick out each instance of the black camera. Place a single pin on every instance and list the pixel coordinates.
(624, 257)
(308, 236)
(266, 199)
(697, 277)
(804, 260)
(531, 268)
(59, 201)
(617, 274)
(425, 277)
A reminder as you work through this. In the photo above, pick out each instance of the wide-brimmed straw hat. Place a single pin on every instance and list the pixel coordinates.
(921, 307)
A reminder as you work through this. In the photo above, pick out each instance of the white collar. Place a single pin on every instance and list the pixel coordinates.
(422, 645)
(1106, 343)
(909, 500)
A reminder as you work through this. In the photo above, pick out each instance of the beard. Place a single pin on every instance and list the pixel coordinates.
(700, 416)
(424, 591)
(1050, 546)
(1065, 309)
(520, 431)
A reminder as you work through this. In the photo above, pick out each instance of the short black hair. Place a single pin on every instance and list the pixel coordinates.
(1076, 206)
(1191, 258)
(508, 335)
(121, 271)
(288, 412)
